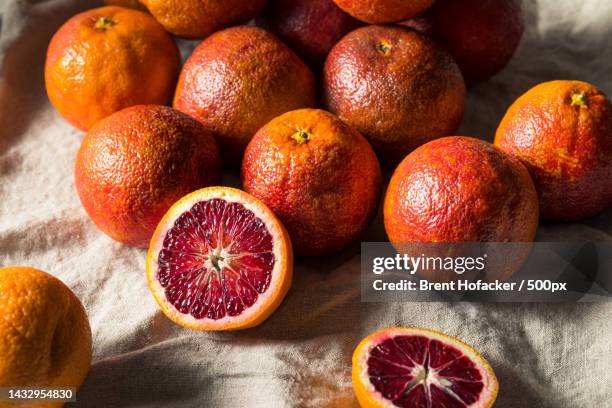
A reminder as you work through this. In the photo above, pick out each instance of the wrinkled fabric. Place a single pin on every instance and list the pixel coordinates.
(545, 355)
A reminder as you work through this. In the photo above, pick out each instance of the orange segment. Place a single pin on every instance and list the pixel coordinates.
(219, 260)
(409, 367)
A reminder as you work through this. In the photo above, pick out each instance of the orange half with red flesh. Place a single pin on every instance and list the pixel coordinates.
(219, 260)
(408, 367)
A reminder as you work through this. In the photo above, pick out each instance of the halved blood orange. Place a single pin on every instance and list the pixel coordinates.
(409, 367)
(219, 260)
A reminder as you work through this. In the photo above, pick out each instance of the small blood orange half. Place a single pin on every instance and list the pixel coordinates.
(219, 260)
(409, 367)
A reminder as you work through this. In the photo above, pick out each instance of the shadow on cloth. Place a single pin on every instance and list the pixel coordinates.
(146, 377)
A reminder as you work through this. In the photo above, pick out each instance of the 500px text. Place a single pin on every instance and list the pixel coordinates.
(465, 285)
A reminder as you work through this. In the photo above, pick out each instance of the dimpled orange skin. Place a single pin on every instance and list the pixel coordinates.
(460, 189)
(45, 338)
(132, 166)
(134, 4)
(383, 11)
(200, 18)
(394, 86)
(239, 79)
(562, 132)
(310, 27)
(106, 59)
(319, 176)
(481, 35)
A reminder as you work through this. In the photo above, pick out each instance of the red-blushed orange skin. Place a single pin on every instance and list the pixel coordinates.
(239, 79)
(132, 166)
(93, 70)
(562, 132)
(398, 97)
(200, 18)
(383, 11)
(460, 189)
(310, 27)
(481, 35)
(134, 4)
(325, 190)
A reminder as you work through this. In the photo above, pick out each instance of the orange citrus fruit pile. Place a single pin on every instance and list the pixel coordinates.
(220, 258)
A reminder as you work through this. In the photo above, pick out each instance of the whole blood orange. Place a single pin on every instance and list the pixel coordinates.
(45, 339)
(460, 189)
(318, 175)
(396, 87)
(106, 59)
(200, 18)
(310, 27)
(481, 35)
(219, 260)
(383, 11)
(410, 367)
(562, 132)
(132, 166)
(239, 79)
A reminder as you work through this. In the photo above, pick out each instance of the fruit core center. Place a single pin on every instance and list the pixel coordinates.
(579, 99)
(383, 47)
(302, 136)
(104, 23)
(216, 259)
(421, 374)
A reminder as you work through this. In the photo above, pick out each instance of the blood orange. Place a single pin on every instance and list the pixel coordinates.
(219, 260)
(412, 367)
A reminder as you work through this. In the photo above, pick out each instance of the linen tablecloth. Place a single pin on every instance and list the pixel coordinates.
(545, 355)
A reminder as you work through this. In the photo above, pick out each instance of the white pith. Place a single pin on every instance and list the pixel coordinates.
(216, 259)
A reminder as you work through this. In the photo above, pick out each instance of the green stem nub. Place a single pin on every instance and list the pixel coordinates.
(580, 99)
(384, 47)
(302, 136)
(104, 23)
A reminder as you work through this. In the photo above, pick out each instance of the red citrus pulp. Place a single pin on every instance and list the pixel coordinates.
(412, 367)
(219, 260)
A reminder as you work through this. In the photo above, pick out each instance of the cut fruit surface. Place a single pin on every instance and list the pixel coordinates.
(409, 367)
(219, 260)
